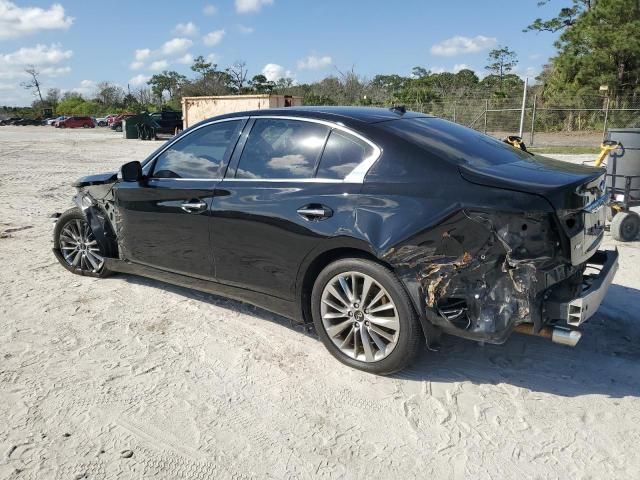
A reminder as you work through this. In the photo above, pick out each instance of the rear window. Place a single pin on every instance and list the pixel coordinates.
(454, 142)
(341, 155)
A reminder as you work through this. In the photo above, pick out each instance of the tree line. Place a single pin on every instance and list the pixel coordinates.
(598, 51)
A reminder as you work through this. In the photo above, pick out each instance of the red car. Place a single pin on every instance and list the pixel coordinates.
(116, 122)
(76, 122)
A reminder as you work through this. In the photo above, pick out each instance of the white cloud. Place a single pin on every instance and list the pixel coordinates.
(186, 59)
(213, 58)
(18, 21)
(460, 66)
(213, 38)
(135, 65)
(251, 6)
(531, 72)
(275, 72)
(86, 88)
(458, 45)
(47, 59)
(210, 10)
(55, 71)
(313, 62)
(188, 29)
(159, 65)
(176, 46)
(38, 55)
(245, 30)
(142, 54)
(455, 69)
(139, 80)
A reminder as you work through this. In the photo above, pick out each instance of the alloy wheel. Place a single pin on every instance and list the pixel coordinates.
(360, 317)
(79, 246)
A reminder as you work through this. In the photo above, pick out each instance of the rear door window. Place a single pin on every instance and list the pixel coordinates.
(341, 155)
(200, 154)
(282, 149)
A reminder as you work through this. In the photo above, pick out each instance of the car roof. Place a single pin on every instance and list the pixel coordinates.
(361, 114)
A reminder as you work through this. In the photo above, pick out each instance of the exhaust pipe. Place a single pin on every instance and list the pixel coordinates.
(562, 336)
(565, 336)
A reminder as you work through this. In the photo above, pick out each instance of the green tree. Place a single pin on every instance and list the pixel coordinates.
(203, 67)
(501, 60)
(167, 81)
(601, 46)
(419, 72)
(565, 18)
(260, 84)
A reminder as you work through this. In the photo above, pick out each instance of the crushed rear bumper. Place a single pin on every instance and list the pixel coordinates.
(578, 310)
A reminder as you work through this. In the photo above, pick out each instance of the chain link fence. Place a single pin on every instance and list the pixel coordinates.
(580, 122)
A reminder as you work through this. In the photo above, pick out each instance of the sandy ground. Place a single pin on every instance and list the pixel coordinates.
(131, 378)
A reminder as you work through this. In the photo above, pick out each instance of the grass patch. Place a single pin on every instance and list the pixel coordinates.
(567, 150)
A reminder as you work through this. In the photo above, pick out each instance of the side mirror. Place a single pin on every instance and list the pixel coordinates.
(131, 172)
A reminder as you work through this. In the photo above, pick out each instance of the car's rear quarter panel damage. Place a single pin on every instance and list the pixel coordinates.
(477, 274)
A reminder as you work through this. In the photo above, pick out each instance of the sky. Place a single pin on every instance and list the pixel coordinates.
(77, 43)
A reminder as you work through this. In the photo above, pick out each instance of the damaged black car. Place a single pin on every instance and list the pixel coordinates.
(384, 228)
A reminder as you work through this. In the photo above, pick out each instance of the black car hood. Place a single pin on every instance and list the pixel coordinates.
(99, 179)
(555, 180)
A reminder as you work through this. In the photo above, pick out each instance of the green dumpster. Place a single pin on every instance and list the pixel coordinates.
(141, 126)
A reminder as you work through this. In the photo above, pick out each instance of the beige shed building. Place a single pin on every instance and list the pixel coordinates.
(196, 109)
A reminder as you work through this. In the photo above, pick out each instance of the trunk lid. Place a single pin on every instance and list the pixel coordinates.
(565, 185)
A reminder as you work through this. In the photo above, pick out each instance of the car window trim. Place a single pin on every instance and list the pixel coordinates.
(356, 175)
(225, 162)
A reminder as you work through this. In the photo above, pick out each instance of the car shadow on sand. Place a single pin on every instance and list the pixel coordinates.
(606, 361)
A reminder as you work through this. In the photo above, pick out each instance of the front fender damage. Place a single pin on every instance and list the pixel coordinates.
(479, 274)
(96, 213)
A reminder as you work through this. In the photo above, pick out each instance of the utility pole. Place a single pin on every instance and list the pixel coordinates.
(524, 104)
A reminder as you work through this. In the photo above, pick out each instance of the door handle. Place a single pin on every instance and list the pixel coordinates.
(315, 212)
(193, 206)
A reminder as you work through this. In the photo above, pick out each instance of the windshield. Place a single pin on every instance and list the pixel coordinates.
(453, 142)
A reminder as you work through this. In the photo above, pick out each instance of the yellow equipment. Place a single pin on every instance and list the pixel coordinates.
(515, 142)
(606, 147)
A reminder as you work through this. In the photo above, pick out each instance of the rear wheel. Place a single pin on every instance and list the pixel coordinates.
(76, 247)
(364, 316)
(625, 226)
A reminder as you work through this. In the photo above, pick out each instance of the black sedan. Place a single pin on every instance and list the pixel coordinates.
(384, 228)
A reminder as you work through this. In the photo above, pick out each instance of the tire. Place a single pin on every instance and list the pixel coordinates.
(118, 128)
(63, 241)
(625, 226)
(86, 125)
(402, 344)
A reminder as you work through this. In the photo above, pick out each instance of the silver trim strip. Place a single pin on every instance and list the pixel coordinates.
(289, 180)
(166, 179)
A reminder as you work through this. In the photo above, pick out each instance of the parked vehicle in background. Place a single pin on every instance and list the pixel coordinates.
(383, 227)
(10, 120)
(169, 121)
(55, 122)
(101, 121)
(114, 118)
(116, 124)
(76, 122)
(28, 121)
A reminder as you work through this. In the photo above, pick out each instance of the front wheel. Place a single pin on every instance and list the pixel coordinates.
(364, 316)
(76, 247)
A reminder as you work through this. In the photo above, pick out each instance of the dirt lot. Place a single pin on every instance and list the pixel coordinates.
(131, 378)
